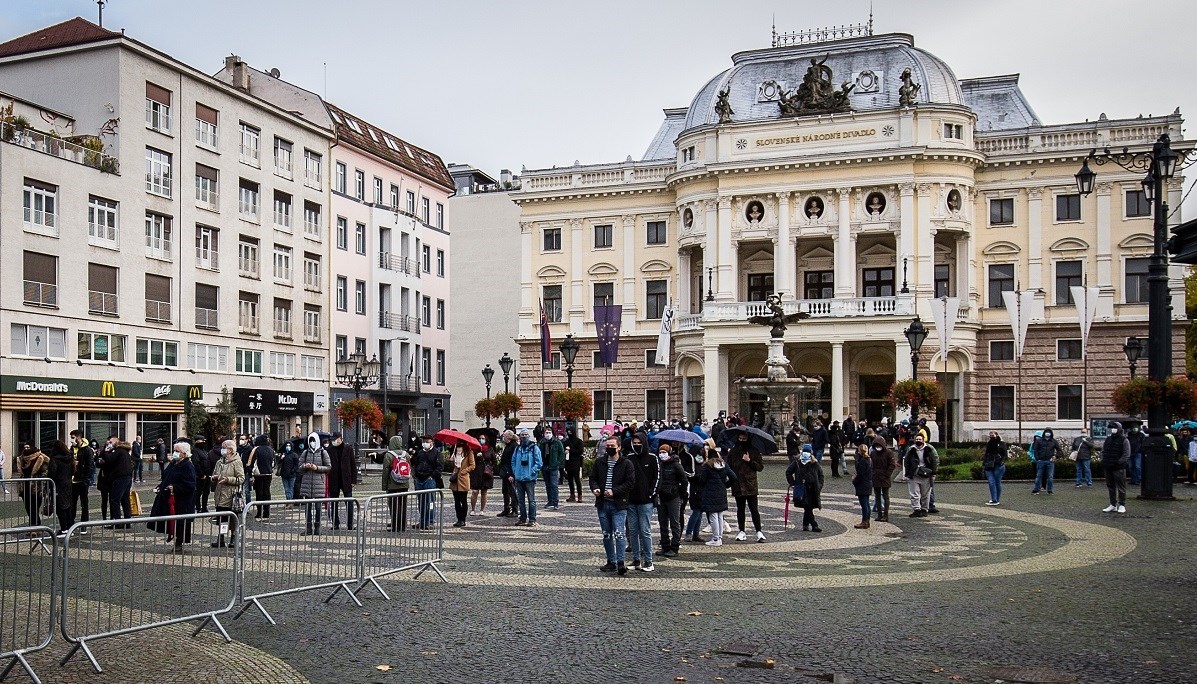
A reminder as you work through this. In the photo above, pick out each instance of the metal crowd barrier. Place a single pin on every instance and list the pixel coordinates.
(28, 502)
(27, 597)
(402, 531)
(126, 577)
(279, 555)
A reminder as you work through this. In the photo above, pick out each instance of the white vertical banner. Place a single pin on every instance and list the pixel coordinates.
(662, 358)
(1085, 299)
(944, 312)
(1021, 307)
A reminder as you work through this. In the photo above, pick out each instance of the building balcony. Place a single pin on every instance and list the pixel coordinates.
(102, 303)
(40, 294)
(390, 261)
(400, 383)
(897, 305)
(57, 147)
(394, 321)
(205, 318)
(156, 311)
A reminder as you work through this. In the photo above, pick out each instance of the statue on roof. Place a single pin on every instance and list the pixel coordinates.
(723, 107)
(817, 93)
(909, 90)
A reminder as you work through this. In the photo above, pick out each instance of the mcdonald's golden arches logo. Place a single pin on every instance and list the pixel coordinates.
(108, 389)
(195, 391)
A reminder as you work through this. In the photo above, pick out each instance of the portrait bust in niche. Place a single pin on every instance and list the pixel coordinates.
(954, 201)
(875, 204)
(688, 217)
(814, 208)
(754, 211)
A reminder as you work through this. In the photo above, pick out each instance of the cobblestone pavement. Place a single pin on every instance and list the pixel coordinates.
(1041, 589)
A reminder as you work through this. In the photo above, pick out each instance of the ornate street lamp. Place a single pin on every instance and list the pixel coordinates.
(710, 283)
(569, 352)
(505, 362)
(916, 334)
(356, 372)
(488, 374)
(1134, 351)
(1159, 165)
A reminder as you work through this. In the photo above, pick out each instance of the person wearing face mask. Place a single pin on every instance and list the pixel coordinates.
(1082, 453)
(459, 482)
(862, 482)
(428, 465)
(994, 463)
(228, 474)
(640, 498)
(671, 482)
(611, 481)
(1047, 450)
(244, 447)
(1134, 470)
(178, 483)
(574, 449)
(919, 466)
(314, 463)
(553, 451)
(884, 465)
(526, 462)
(261, 472)
(713, 480)
(118, 465)
(288, 469)
(340, 478)
(1115, 459)
(483, 477)
(506, 479)
(746, 461)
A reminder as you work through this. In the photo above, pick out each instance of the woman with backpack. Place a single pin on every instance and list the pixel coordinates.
(396, 477)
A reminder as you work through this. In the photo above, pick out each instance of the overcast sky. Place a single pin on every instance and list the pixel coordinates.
(539, 83)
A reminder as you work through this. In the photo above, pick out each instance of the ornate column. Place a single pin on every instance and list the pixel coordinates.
(839, 398)
(845, 258)
(577, 298)
(527, 297)
(714, 392)
(906, 228)
(1104, 254)
(1034, 238)
(923, 282)
(964, 271)
(630, 301)
(726, 282)
(901, 369)
(683, 281)
(783, 254)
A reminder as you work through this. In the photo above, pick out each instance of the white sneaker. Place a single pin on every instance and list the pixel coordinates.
(726, 527)
(715, 542)
(741, 536)
(760, 537)
(1122, 509)
(706, 528)
(1109, 509)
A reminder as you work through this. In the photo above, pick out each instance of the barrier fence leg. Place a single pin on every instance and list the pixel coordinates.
(20, 658)
(215, 623)
(82, 646)
(370, 581)
(349, 591)
(258, 604)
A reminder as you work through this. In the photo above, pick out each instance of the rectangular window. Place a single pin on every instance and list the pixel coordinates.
(440, 216)
(1070, 402)
(359, 345)
(426, 258)
(1068, 207)
(596, 360)
(311, 220)
(206, 189)
(424, 213)
(440, 366)
(205, 125)
(604, 294)
(554, 362)
(207, 298)
(377, 190)
(102, 347)
(208, 357)
(1068, 275)
(440, 263)
(426, 311)
(654, 404)
(101, 289)
(426, 366)
(1068, 350)
(1135, 289)
(953, 131)
(657, 292)
(359, 238)
(284, 162)
(157, 172)
(38, 342)
(158, 353)
(440, 314)
(247, 312)
(282, 317)
(247, 200)
(157, 108)
(552, 239)
(359, 185)
(282, 365)
(102, 221)
(657, 235)
(1001, 350)
(206, 247)
(1001, 402)
(312, 279)
(313, 169)
(1137, 204)
(157, 298)
(878, 282)
(359, 297)
(247, 257)
(603, 236)
(1001, 279)
(394, 196)
(339, 180)
(311, 367)
(40, 204)
(282, 264)
(943, 280)
(158, 236)
(342, 347)
(342, 233)
(342, 293)
(282, 211)
(602, 405)
(819, 285)
(40, 279)
(251, 144)
(551, 296)
(1001, 212)
(411, 202)
(311, 323)
(650, 358)
(249, 361)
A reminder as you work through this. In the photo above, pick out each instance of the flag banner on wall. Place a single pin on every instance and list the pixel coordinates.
(944, 312)
(1085, 299)
(662, 358)
(1021, 307)
(546, 339)
(606, 325)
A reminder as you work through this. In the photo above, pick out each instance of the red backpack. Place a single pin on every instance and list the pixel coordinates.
(401, 471)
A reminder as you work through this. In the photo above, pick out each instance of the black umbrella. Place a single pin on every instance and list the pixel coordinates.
(758, 439)
(490, 433)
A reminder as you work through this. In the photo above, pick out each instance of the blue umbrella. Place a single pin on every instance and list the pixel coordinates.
(1184, 424)
(683, 436)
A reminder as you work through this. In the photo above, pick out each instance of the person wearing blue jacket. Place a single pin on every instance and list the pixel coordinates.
(526, 463)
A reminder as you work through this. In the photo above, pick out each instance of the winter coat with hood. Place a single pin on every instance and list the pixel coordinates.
(862, 479)
(911, 463)
(342, 465)
(312, 482)
(62, 469)
(233, 471)
(713, 479)
(1116, 451)
(885, 462)
(1046, 447)
(262, 456)
(671, 478)
(810, 476)
(647, 467)
(117, 462)
(553, 452)
(746, 480)
(996, 454)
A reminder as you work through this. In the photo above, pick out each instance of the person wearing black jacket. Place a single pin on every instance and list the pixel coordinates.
(573, 464)
(836, 443)
(509, 501)
(994, 463)
(862, 482)
(793, 441)
(288, 469)
(340, 478)
(671, 487)
(118, 469)
(611, 481)
(84, 460)
(260, 468)
(62, 468)
(806, 477)
(1115, 459)
(640, 530)
(199, 461)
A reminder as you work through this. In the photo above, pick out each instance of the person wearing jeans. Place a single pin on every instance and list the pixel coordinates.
(611, 482)
(428, 465)
(994, 464)
(640, 499)
(526, 463)
(1082, 446)
(1115, 459)
(1047, 450)
(553, 451)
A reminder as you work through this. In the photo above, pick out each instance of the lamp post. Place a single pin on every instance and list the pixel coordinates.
(916, 334)
(710, 283)
(505, 362)
(1160, 164)
(569, 352)
(356, 372)
(488, 374)
(1133, 350)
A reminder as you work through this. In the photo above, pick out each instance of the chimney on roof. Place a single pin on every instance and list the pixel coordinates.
(505, 178)
(239, 72)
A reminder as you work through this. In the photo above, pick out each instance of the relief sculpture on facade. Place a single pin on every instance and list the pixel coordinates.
(817, 93)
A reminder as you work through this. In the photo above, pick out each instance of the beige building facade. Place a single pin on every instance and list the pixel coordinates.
(921, 187)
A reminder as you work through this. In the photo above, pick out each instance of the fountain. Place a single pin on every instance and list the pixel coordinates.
(777, 387)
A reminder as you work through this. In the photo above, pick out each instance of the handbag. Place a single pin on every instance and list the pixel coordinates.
(453, 478)
(922, 471)
(238, 503)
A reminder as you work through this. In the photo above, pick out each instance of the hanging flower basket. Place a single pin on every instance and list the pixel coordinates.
(350, 410)
(1140, 395)
(572, 403)
(486, 409)
(508, 404)
(923, 393)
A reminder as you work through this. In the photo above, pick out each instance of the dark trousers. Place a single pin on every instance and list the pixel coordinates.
(105, 496)
(573, 475)
(1116, 484)
(460, 505)
(808, 518)
(750, 501)
(344, 490)
(203, 487)
(509, 501)
(78, 503)
(33, 507)
(119, 498)
(398, 509)
(1192, 471)
(881, 501)
(669, 518)
(262, 491)
(837, 459)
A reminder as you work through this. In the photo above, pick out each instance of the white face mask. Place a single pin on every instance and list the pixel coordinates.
(1113, 431)
(427, 446)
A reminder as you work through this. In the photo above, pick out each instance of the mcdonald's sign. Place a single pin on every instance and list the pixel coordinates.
(195, 392)
(108, 389)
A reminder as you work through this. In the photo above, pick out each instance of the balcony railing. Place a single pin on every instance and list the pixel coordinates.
(311, 178)
(311, 333)
(57, 147)
(206, 258)
(205, 318)
(686, 322)
(157, 248)
(103, 303)
(282, 327)
(207, 199)
(394, 321)
(897, 305)
(156, 311)
(400, 383)
(247, 267)
(393, 262)
(41, 294)
(247, 323)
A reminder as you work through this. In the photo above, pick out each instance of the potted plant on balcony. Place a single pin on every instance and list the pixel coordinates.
(351, 410)
(508, 404)
(1137, 396)
(572, 404)
(917, 393)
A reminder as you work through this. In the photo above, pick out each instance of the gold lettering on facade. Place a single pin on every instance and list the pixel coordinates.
(816, 137)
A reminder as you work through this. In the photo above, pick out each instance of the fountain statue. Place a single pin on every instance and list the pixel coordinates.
(777, 387)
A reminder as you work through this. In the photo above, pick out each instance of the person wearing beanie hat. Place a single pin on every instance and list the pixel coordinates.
(1115, 458)
(806, 477)
(526, 462)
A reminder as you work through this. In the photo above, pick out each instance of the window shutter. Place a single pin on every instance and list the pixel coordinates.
(205, 113)
(157, 288)
(205, 172)
(157, 93)
(101, 278)
(206, 296)
(41, 268)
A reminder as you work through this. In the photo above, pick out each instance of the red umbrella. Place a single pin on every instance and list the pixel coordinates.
(452, 437)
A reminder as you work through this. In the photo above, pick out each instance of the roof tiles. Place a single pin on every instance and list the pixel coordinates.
(369, 138)
(77, 31)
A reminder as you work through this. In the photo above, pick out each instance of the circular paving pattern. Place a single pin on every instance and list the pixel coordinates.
(964, 542)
